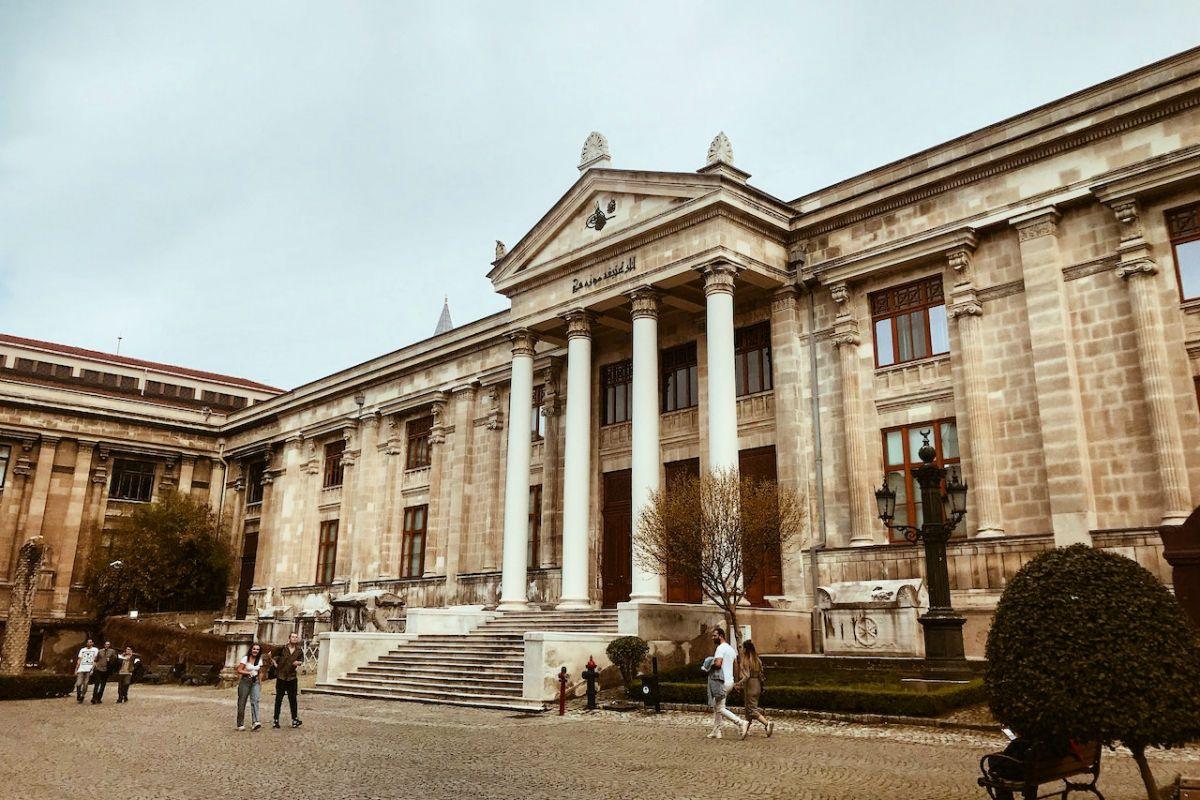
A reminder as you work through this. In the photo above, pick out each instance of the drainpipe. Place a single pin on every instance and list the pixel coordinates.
(817, 633)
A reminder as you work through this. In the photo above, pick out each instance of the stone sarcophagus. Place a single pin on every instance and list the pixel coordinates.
(873, 618)
(365, 611)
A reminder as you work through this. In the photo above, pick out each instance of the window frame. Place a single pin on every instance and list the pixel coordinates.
(614, 376)
(122, 487)
(674, 393)
(887, 304)
(418, 454)
(5, 460)
(1186, 218)
(327, 552)
(253, 486)
(538, 423)
(410, 535)
(533, 550)
(753, 339)
(911, 489)
(333, 473)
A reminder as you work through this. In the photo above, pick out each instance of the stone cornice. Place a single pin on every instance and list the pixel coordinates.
(1147, 178)
(412, 403)
(902, 254)
(326, 427)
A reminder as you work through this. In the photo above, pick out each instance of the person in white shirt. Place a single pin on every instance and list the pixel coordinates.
(249, 686)
(84, 661)
(720, 683)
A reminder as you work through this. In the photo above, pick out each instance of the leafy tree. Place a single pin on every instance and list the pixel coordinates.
(627, 653)
(1089, 646)
(719, 531)
(169, 555)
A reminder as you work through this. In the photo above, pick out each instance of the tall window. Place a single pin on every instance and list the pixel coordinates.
(616, 384)
(254, 482)
(418, 442)
(538, 423)
(412, 553)
(535, 525)
(327, 552)
(900, 455)
(132, 480)
(5, 454)
(910, 322)
(679, 380)
(1183, 226)
(334, 472)
(752, 358)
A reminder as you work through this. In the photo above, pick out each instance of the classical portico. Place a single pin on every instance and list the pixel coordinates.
(619, 251)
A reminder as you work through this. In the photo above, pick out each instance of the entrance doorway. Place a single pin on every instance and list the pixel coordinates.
(616, 573)
(246, 579)
(760, 463)
(680, 588)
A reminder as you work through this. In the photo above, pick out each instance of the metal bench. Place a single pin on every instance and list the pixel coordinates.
(198, 674)
(163, 673)
(1006, 777)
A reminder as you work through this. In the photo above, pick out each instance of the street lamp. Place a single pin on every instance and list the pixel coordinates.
(942, 510)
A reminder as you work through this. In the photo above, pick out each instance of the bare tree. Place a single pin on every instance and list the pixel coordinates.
(720, 532)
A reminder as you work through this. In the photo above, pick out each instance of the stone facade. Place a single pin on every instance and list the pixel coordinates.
(1058, 349)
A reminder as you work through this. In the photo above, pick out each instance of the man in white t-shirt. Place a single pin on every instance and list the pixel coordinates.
(83, 667)
(720, 684)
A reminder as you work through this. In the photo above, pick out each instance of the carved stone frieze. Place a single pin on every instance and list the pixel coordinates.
(1036, 225)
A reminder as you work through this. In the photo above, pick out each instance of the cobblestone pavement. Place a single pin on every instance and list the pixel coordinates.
(177, 743)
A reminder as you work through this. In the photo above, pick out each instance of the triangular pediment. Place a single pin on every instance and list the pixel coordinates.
(602, 207)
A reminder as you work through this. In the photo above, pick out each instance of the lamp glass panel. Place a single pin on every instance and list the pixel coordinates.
(895, 482)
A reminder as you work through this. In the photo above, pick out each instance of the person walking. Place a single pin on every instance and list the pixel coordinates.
(720, 684)
(130, 666)
(751, 679)
(103, 668)
(249, 686)
(84, 662)
(287, 659)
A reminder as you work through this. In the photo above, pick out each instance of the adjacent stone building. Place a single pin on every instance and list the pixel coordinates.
(1028, 294)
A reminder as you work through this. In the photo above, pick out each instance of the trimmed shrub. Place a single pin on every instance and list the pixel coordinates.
(35, 687)
(846, 699)
(1089, 646)
(627, 653)
(163, 644)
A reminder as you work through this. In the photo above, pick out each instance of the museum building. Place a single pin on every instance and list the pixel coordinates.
(1028, 295)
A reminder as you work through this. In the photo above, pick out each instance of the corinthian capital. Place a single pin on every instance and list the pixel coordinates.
(522, 341)
(643, 302)
(719, 277)
(579, 322)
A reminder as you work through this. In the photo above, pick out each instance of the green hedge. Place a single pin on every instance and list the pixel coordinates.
(164, 644)
(35, 687)
(848, 699)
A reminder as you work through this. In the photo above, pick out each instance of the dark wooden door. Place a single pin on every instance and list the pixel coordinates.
(760, 463)
(680, 588)
(617, 556)
(246, 579)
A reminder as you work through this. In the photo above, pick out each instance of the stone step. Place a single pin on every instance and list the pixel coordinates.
(497, 703)
(433, 673)
(506, 688)
(460, 646)
(431, 694)
(481, 664)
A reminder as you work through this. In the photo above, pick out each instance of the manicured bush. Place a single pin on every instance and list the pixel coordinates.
(164, 644)
(627, 653)
(846, 699)
(1090, 646)
(35, 687)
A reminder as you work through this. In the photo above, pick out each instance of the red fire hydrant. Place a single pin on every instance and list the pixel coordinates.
(562, 692)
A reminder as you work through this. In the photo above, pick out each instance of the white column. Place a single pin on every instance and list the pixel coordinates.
(647, 584)
(577, 469)
(513, 593)
(722, 391)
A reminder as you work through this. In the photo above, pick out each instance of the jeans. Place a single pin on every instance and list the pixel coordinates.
(123, 682)
(98, 686)
(81, 682)
(248, 688)
(284, 686)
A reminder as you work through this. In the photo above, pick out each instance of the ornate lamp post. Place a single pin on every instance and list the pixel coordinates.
(945, 657)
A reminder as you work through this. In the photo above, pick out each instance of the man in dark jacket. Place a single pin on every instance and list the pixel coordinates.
(105, 667)
(287, 659)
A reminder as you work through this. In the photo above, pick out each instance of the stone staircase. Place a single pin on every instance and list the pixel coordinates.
(481, 669)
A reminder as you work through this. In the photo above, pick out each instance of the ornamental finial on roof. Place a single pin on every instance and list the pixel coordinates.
(501, 250)
(444, 324)
(595, 152)
(720, 149)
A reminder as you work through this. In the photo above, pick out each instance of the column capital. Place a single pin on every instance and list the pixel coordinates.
(719, 277)
(579, 322)
(783, 298)
(468, 389)
(1138, 266)
(967, 307)
(643, 302)
(437, 433)
(522, 341)
(959, 259)
(1036, 224)
(846, 334)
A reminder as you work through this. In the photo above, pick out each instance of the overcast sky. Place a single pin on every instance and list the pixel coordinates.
(282, 190)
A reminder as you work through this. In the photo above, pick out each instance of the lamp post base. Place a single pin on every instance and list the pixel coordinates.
(945, 655)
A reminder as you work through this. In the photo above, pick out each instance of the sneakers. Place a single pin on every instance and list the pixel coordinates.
(241, 727)
(257, 725)
(275, 724)
(745, 729)
(296, 723)
(713, 735)
(770, 729)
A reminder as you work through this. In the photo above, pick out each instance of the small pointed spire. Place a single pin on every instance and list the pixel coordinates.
(444, 324)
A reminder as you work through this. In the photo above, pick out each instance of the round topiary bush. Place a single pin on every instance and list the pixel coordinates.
(1089, 646)
(627, 652)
